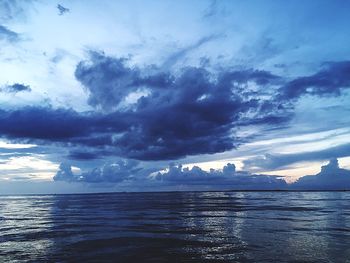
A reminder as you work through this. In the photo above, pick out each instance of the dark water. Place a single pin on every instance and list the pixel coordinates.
(177, 227)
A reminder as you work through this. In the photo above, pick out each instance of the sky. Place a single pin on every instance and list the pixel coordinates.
(174, 95)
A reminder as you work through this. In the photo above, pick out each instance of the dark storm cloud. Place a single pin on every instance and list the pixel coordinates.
(8, 35)
(14, 88)
(269, 162)
(43, 123)
(185, 114)
(331, 177)
(65, 126)
(172, 116)
(107, 79)
(331, 80)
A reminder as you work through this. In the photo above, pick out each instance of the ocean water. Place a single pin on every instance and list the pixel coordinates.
(176, 227)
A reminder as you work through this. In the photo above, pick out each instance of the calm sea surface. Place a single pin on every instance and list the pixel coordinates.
(176, 227)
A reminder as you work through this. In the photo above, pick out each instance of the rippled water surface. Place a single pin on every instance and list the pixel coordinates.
(178, 227)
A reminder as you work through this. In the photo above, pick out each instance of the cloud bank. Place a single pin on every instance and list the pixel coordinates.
(331, 177)
(108, 173)
(227, 178)
(174, 177)
(130, 175)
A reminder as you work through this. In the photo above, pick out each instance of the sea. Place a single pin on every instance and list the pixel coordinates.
(176, 227)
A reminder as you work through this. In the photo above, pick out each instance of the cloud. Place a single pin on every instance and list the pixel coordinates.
(128, 174)
(44, 123)
(270, 162)
(107, 79)
(14, 9)
(227, 178)
(149, 114)
(182, 52)
(131, 175)
(331, 80)
(62, 10)
(331, 177)
(195, 175)
(8, 35)
(85, 155)
(174, 117)
(65, 173)
(108, 173)
(261, 49)
(17, 87)
(211, 10)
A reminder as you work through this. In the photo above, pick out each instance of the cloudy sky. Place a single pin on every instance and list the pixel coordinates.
(135, 95)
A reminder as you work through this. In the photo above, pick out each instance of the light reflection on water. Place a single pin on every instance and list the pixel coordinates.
(197, 226)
